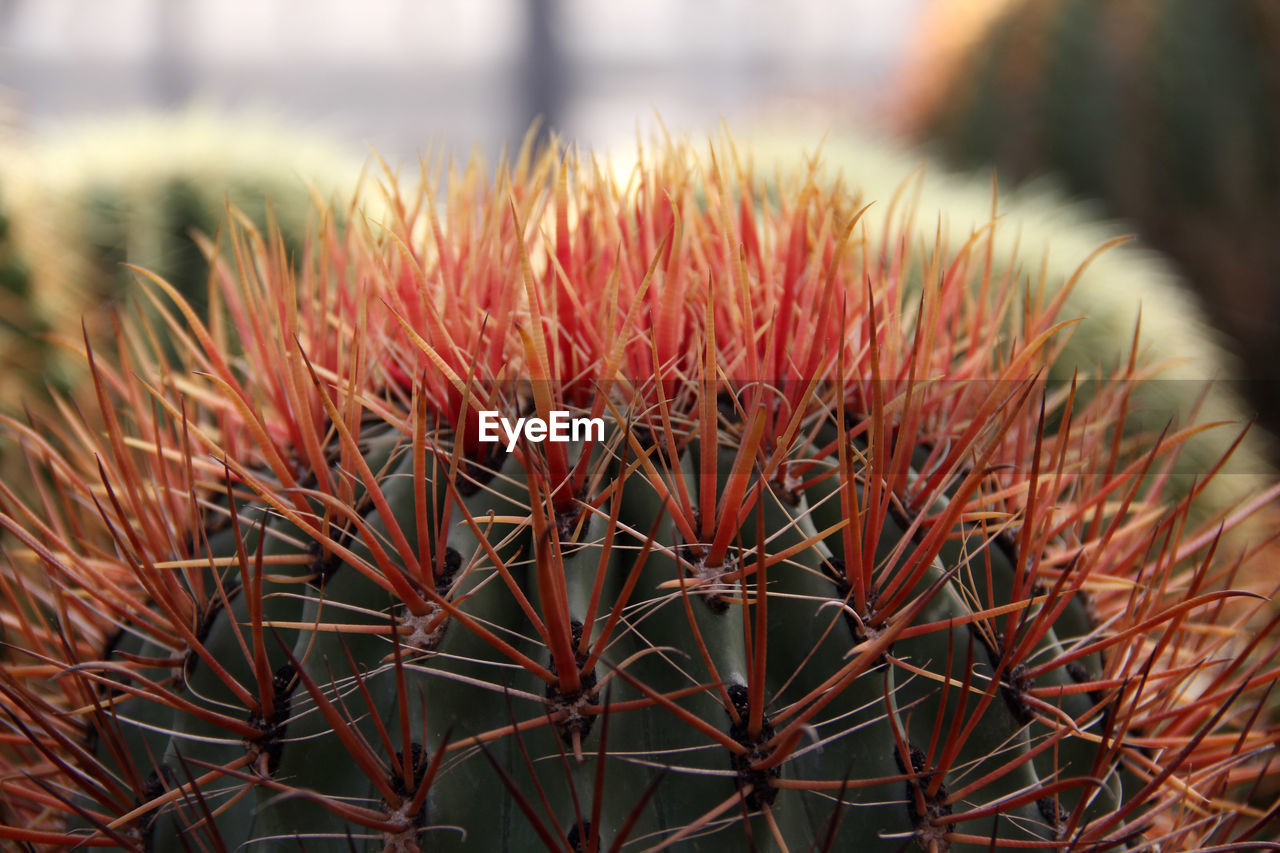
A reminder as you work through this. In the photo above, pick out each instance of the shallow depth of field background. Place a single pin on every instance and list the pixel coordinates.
(401, 74)
(1172, 106)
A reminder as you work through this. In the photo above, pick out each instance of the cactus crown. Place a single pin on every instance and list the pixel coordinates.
(840, 567)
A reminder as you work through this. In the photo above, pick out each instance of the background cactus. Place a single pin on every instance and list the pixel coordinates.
(1167, 110)
(844, 572)
(82, 200)
(15, 294)
(1041, 238)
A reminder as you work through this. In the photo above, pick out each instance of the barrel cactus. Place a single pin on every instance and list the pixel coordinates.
(82, 200)
(1166, 110)
(1129, 295)
(15, 297)
(821, 562)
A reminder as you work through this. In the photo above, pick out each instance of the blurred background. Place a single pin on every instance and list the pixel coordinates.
(125, 125)
(399, 74)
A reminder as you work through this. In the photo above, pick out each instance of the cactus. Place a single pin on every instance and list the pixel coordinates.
(15, 294)
(1168, 111)
(831, 564)
(1038, 236)
(20, 326)
(82, 200)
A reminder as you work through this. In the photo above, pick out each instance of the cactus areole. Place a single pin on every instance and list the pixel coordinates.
(839, 570)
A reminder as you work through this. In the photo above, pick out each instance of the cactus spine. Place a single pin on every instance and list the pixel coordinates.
(844, 571)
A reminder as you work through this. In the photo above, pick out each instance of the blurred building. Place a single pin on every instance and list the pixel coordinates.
(397, 74)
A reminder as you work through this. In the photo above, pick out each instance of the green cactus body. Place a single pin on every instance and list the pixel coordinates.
(826, 579)
(1166, 110)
